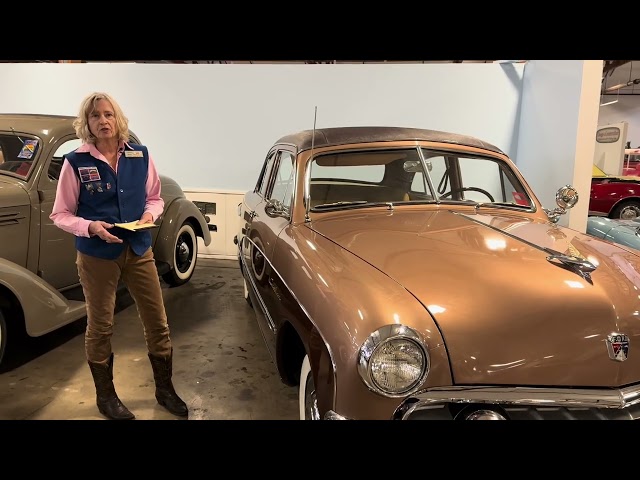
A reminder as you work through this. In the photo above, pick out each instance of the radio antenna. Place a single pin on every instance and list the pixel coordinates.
(307, 180)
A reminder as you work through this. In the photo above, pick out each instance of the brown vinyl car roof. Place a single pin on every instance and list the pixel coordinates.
(325, 137)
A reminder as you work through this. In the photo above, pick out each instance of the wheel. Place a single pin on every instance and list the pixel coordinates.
(185, 255)
(3, 336)
(307, 398)
(627, 210)
(468, 189)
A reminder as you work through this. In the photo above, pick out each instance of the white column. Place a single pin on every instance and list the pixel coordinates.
(558, 123)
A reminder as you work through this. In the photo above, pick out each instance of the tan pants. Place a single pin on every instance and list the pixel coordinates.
(99, 279)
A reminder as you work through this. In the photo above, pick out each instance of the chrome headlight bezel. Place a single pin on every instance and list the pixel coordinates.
(381, 336)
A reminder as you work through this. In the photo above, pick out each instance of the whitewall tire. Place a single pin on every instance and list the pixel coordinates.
(307, 399)
(185, 256)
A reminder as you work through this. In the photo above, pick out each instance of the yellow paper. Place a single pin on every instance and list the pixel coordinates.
(133, 226)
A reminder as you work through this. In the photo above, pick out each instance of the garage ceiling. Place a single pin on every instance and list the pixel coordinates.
(621, 77)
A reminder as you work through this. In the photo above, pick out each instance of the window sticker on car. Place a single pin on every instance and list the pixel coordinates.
(89, 174)
(28, 149)
(520, 198)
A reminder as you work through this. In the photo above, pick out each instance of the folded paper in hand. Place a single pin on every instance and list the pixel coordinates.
(133, 226)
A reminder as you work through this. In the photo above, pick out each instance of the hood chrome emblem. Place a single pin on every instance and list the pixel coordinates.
(618, 346)
(579, 265)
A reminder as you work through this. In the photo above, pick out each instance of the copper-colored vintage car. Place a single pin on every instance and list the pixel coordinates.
(38, 273)
(401, 273)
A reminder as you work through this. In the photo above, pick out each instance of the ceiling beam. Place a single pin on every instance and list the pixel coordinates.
(611, 65)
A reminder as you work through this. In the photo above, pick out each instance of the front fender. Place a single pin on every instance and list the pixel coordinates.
(44, 308)
(178, 212)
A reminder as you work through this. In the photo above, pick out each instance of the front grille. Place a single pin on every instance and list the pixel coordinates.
(523, 403)
(449, 412)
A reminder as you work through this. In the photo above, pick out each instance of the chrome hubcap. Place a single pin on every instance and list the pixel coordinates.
(183, 255)
(311, 411)
(630, 212)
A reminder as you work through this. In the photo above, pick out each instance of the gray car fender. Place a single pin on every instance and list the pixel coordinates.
(44, 308)
(180, 210)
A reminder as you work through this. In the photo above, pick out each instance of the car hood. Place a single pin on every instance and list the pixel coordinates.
(508, 315)
(11, 194)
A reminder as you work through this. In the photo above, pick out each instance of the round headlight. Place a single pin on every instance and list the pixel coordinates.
(393, 361)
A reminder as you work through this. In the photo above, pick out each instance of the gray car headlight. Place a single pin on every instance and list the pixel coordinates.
(393, 361)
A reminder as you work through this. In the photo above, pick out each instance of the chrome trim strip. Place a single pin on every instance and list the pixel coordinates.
(532, 396)
(324, 340)
(263, 306)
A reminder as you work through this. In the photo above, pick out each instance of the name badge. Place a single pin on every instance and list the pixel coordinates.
(132, 153)
(89, 174)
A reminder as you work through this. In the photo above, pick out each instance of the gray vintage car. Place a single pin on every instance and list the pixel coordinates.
(37, 259)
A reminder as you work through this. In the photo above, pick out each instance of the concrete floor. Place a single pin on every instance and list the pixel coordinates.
(221, 367)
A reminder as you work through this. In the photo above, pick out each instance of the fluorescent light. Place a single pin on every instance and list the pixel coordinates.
(609, 103)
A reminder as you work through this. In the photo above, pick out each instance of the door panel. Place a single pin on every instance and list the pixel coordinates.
(263, 225)
(57, 264)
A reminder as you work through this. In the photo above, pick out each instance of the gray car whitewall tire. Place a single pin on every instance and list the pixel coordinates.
(307, 398)
(185, 255)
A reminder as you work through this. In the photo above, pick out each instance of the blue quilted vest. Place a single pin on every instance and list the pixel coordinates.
(112, 198)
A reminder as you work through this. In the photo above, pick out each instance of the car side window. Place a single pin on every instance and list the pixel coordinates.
(263, 182)
(56, 161)
(283, 181)
(17, 153)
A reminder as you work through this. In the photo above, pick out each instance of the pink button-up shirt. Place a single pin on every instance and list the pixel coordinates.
(67, 194)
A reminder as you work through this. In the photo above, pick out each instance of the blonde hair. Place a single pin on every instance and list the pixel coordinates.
(88, 105)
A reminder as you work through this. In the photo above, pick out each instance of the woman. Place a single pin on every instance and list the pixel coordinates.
(103, 182)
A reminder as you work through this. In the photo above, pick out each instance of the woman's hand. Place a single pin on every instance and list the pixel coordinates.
(146, 218)
(99, 228)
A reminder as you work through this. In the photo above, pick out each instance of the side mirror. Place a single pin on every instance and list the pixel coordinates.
(566, 198)
(275, 208)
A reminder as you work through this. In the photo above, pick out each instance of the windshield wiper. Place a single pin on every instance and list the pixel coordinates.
(502, 204)
(339, 204)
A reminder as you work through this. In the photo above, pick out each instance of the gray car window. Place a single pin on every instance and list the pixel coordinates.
(56, 161)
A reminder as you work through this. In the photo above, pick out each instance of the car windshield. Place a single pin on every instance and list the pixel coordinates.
(17, 153)
(360, 178)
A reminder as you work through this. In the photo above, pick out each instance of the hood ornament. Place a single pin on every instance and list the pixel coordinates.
(579, 265)
(618, 346)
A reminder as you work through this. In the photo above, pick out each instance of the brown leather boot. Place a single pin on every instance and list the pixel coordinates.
(165, 393)
(106, 398)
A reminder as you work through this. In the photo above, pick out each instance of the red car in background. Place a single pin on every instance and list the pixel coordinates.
(614, 196)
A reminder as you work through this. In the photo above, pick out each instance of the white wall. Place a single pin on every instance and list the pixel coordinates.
(210, 126)
(608, 156)
(626, 109)
(558, 121)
